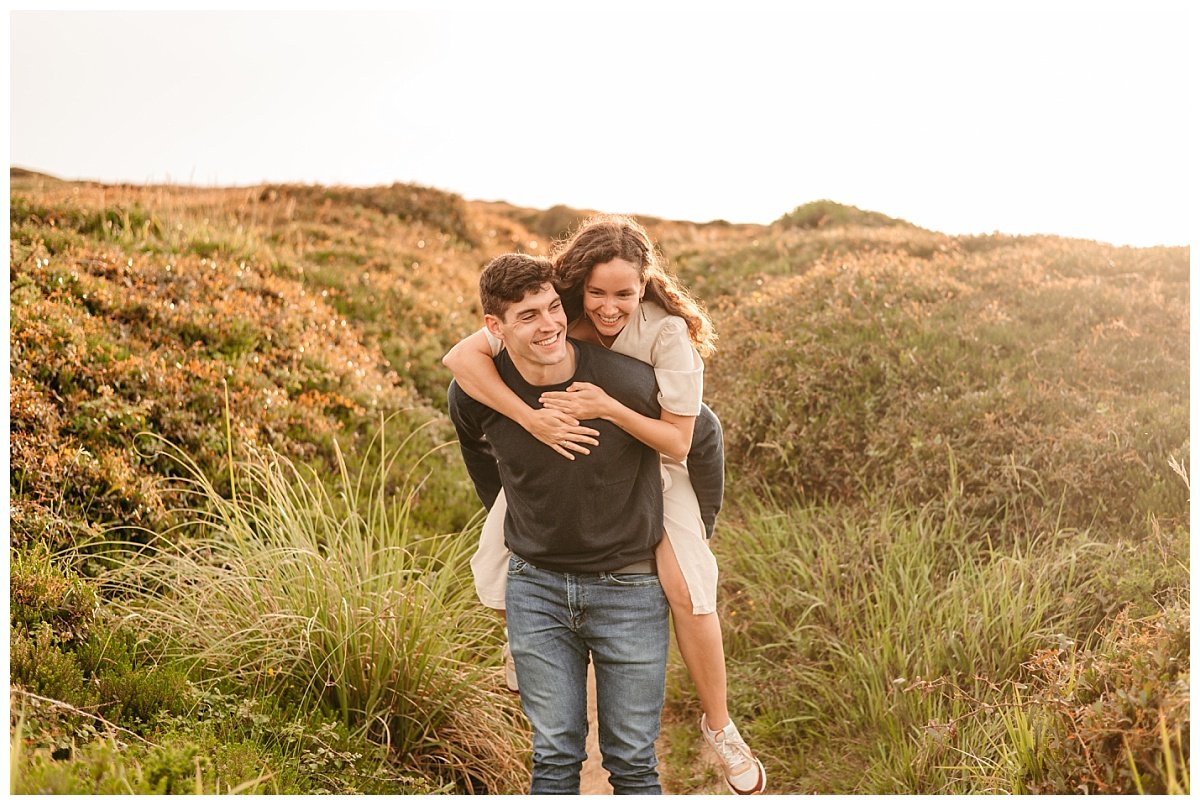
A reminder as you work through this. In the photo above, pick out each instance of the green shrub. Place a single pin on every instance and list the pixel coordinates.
(108, 651)
(140, 695)
(1117, 712)
(41, 591)
(107, 767)
(224, 745)
(39, 665)
(288, 752)
(105, 673)
(106, 345)
(825, 213)
(553, 223)
(407, 202)
(34, 522)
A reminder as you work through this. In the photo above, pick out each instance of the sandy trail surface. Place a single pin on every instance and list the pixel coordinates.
(593, 779)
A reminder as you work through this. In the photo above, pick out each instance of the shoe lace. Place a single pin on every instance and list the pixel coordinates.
(734, 752)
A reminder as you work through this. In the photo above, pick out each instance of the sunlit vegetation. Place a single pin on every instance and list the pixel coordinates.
(954, 553)
(1033, 376)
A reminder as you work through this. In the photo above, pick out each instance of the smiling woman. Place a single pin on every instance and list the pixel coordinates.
(611, 295)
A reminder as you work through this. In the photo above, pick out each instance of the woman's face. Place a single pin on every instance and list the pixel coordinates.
(611, 294)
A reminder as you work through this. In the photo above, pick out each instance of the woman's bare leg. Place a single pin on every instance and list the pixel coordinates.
(699, 638)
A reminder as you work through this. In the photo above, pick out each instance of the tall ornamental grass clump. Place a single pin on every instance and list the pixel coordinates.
(321, 593)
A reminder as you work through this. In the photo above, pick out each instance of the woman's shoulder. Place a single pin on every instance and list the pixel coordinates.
(663, 339)
(659, 320)
(648, 329)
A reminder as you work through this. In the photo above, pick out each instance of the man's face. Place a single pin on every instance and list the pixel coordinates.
(534, 330)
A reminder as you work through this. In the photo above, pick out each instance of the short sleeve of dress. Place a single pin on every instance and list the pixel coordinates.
(495, 343)
(679, 369)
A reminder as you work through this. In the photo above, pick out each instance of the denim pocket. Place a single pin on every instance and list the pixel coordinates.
(516, 565)
(632, 579)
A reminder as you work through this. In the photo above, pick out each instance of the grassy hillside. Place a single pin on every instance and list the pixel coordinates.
(954, 557)
(233, 325)
(973, 521)
(1046, 378)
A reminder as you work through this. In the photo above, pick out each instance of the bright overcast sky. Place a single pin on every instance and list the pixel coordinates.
(1069, 118)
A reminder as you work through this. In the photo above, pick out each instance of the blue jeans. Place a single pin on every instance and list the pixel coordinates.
(555, 620)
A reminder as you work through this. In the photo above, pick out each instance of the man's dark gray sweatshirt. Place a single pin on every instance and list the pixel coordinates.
(601, 511)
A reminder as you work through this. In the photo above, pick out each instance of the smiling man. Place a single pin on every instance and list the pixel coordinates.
(581, 582)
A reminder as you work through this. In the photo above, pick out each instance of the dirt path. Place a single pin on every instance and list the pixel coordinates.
(593, 779)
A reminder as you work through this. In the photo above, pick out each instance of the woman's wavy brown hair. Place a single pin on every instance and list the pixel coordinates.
(602, 238)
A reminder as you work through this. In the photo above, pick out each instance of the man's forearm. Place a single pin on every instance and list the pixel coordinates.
(476, 453)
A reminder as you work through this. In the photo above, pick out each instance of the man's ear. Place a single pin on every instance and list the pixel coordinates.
(493, 325)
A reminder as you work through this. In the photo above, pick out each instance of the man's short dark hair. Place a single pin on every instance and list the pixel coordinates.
(508, 278)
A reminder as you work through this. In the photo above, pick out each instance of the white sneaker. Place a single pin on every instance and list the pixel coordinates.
(510, 670)
(744, 773)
